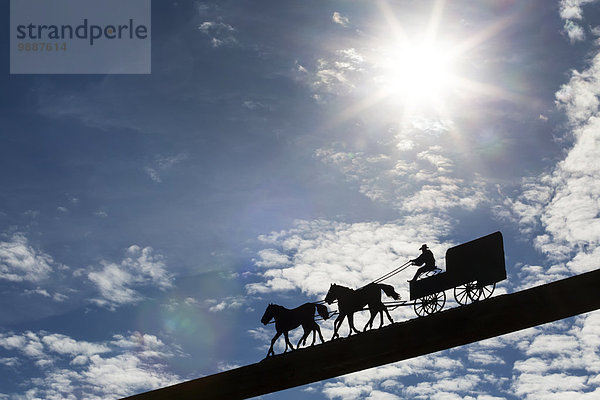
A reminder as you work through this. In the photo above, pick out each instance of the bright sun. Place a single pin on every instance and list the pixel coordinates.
(420, 69)
(416, 75)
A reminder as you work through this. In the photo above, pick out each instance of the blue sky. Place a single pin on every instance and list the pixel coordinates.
(147, 220)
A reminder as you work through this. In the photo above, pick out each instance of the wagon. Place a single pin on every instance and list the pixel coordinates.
(472, 271)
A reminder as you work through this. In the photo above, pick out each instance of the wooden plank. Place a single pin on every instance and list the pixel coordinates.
(455, 327)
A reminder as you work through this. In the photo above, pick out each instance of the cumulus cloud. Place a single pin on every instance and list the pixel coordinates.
(423, 182)
(118, 283)
(317, 253)
(572, 11)
(557, 360)
(436, 377)
(70, 368)
(418, 170)
(21, 262)
(271, 258)
(561, 209)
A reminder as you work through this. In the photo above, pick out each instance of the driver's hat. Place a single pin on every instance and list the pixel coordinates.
(424, 247)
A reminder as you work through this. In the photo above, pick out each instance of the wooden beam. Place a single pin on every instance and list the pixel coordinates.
(454, 327)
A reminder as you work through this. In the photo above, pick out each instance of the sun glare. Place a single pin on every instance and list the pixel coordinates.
(419, 69)
(416, 75)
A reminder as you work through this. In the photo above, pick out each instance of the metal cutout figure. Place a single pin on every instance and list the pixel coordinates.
(351, 301)
(426, 258)
(286, 320)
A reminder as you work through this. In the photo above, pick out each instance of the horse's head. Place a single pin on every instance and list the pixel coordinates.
(268, 315)
(331, 294)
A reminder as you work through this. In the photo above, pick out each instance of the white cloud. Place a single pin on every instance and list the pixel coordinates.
(559, 360)
(228, 303)
(562, 208)
(440, 376)
(344, 392)
(433, 156)
(340, 19)
(65, 345)
(428, 179)
(574, 31)
(161, 165)
(554, 361)
(57, 297)
(352, 255)
(540, 386)
(72, 369)
(579, 97)
(484, 358)
(271, 258)
(336, 75)
(9, 362)
(104, 214)
(548, 344)
(255, 105)
(118, 283)
(571, 10)
(20, 262)
(220, 33)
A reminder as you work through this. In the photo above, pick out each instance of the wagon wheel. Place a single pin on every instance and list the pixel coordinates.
(467, 293)
(485, 291)
(430, 304)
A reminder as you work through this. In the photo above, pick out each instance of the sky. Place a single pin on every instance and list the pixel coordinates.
(146, 221)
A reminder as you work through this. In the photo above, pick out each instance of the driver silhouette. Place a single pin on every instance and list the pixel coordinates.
(426, 258)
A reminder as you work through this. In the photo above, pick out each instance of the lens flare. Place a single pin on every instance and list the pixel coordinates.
(416, 73)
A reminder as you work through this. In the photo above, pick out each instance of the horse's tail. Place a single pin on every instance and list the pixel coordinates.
(389, 291)
(322, 310)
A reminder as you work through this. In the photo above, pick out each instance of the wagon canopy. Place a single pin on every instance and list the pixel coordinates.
(480, 260)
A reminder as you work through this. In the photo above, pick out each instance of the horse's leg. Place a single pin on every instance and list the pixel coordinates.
(336, 325)
(287, 342)
(318, 330)
(271, 351)
(304, 336)
(388, 315)
(380, 309)
(351, 324)
(370, 321)
(307, 330)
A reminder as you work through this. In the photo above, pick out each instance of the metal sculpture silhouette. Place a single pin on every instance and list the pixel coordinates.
(472, 270)
(426, 258)
(351, 301)
(286, 320)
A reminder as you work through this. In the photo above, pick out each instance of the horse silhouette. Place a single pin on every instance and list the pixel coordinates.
(350, 301)
(286, 320)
